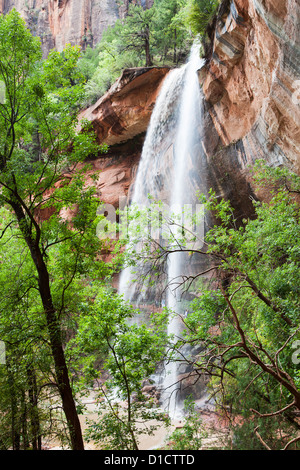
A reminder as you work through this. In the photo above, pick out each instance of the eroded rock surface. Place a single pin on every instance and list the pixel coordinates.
(125, 110)
(75, 22)
(251, 85)
(61, 22)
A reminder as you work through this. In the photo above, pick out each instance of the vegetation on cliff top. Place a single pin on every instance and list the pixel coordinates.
(161, 35)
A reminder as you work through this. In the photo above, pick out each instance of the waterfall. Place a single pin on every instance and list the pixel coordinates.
(170, 170)
(154, 175)
(183, 195)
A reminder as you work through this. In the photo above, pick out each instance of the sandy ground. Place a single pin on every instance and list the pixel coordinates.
(215, 428)
(146, 442)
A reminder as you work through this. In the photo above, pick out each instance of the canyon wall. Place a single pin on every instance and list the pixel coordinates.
(75, 22)
(61, 22)
(124, 111)
(251, 83)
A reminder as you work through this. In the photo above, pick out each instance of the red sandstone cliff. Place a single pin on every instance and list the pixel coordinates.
(61, 22)
(75, 22)
(251, 86)
(124, 111)
(251, 82)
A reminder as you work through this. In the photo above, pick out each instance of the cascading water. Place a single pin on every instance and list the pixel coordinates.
(154, 175)
(183, 195)
(170, 170)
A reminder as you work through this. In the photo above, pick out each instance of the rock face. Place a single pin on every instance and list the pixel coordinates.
(116, 171)
(120, 119)
(250, 81)
(125, 110)
(75, 22)
(61, 22)
(252, 90)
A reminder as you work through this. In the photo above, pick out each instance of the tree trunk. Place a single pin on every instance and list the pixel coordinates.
(61, 370)
(149, 62)
(36, 441)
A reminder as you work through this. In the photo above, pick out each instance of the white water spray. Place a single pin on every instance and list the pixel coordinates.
(167, 172)
(154, 173)
(183, 195)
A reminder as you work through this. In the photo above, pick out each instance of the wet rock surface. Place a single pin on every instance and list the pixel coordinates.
(251, 86)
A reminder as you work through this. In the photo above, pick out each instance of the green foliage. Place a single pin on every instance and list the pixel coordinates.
(88, 62)
(112, 58)
(199, 13)
(171, 36)
(125, 45)
(205, 310)
(129, 352)
(23, 328)
(274, 178)
(190, 436)
(26, 377)
(146, 37)
(49, 247)
(52, 257)
(245, 320)
(250, 322)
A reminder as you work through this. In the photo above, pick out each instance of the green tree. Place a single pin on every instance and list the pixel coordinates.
(254, 314)
(190, 436)
(247, 319)
(38, 144)
(112, 337)
(88, 62)
(26, 378)
(199, 13)
(145, 37)
(137, 30)
(170, 31)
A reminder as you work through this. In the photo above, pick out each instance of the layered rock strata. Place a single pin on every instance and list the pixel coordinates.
(120, 119)
(125, 110)
(251, 83)
(75, 22)
(61, 22)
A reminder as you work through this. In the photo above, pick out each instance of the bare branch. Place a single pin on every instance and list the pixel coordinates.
(261, 440)
(275, 413)
(291, 442)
